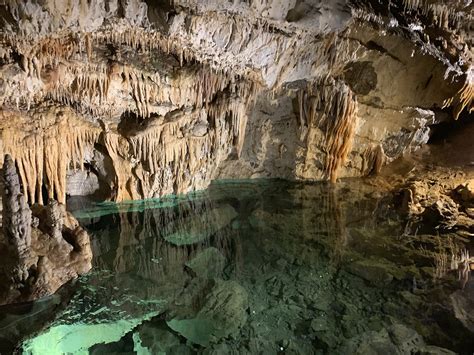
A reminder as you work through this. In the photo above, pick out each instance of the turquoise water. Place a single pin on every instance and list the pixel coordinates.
(252, 267)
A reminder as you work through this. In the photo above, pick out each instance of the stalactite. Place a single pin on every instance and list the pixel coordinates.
(330, 106)
(442, 15)
(44, 153)
(139, 39)
(88, 43)
(184, 47)
(77, 83)
(174, 151)
(464, 98)
(373, 159)
(38, 53)
(87, 86)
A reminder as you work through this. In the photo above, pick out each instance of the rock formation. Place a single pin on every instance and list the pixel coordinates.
(16, 214)
(138, 99)
(155, 98)
(41, 249)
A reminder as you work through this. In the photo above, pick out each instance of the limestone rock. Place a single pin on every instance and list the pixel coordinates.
(16, 215)
(224, 312)
(434, 350)
(444, 212)
(466, 191)
(462, 304)
(40, 253)
(174, 95)
(396, 339)
(375, 272)
(156, 338)
(226, 305)
(81, 183)
(209, 263)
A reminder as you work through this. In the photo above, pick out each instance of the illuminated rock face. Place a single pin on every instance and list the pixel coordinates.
(154, 98)
(16, 215)
(41, 249)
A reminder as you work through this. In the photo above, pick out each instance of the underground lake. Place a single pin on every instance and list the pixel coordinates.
(252, 266)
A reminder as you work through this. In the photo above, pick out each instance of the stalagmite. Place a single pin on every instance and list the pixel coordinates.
(16, 214)
(46, 247)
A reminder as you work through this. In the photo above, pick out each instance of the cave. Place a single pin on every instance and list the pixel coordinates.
(227, 177)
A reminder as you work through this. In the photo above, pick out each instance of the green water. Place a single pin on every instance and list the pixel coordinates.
(258, 267)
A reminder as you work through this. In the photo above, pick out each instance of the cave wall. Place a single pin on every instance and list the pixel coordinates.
(140, 99)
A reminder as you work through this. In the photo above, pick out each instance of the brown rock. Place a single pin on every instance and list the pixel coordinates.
(470, 212)
(466, 191)
(40, 253)
(16, 214)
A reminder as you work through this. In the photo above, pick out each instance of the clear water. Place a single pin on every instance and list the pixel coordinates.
(251, 267)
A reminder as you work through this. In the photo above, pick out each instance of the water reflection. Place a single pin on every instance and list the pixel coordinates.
(261, 266)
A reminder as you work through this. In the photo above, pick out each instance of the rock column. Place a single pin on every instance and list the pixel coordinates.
(16, 212)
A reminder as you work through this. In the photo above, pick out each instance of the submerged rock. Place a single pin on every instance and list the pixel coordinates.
(320, 324)
(197, 330)
(80, 337)
(375, 272)
(155, 338)
(396, 339)
(124, 345)
(208, 264)
(224, 312)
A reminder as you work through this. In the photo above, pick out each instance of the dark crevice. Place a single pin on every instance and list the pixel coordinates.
(442, 132)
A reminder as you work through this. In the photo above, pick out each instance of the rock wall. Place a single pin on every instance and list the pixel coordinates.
(41, 248)
(154, 98)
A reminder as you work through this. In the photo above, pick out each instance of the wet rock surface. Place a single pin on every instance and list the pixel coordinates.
(42, 249)
(209, 263)
(222, 315)
(397, 339)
